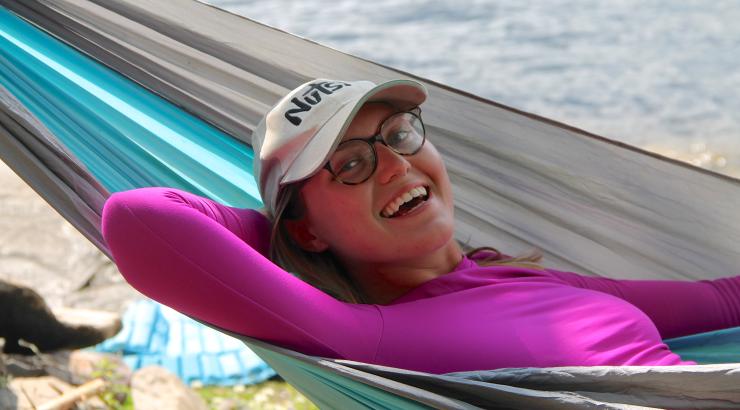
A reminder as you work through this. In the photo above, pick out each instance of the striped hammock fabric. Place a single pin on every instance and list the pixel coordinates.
(101, 96)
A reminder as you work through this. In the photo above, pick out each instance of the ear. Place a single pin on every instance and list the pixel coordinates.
(302, 235)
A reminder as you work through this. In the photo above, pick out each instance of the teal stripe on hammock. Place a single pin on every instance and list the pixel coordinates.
(329, 390)
(719, 346)
(127, 136)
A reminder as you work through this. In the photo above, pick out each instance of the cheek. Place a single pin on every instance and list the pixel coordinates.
(430, 162)
(336, 218)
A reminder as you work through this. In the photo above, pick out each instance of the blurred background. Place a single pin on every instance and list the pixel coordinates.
(658, 74)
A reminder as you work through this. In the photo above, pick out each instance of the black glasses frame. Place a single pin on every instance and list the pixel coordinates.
(378, 137)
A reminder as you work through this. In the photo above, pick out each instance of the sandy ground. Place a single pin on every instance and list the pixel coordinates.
(39, 249)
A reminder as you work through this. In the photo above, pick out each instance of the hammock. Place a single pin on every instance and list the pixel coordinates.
(76, 131)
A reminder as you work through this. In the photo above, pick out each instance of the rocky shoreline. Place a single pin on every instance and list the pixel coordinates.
(86, 380)
(42, 251)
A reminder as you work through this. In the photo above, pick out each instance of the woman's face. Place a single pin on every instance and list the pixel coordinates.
(353, 221)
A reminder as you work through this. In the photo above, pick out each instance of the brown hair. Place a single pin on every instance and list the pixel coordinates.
(488, 256)
(320, 269)
(323, 271)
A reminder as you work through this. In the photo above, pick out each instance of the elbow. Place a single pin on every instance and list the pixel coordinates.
(119, 213)
(115, 214)
(118, 224)
(126, 208)
(128, 227)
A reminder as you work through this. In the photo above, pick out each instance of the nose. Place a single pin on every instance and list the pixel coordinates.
(390, 164)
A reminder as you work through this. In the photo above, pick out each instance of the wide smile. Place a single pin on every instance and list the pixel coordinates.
(407, 202)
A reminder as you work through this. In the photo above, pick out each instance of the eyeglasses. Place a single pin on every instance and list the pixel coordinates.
(355, 160)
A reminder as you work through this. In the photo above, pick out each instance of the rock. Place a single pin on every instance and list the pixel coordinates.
(44, 364)
(7, 398)
(3, 368)
(107, 323)
(87, 365)
(226, 404)
(154, 388)
(75, 367)
(29, 326)
(40, 250)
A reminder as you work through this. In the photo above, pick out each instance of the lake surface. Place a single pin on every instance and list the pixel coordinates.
(659, 74)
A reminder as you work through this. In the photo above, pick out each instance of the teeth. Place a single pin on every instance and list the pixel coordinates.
(393, 206)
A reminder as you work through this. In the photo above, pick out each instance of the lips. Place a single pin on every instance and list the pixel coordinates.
(405, 202)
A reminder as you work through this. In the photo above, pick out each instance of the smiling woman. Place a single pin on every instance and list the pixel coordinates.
(361, 209)
(395, 227)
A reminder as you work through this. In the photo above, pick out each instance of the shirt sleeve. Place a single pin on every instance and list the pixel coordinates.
(678, 308)
(207, 260)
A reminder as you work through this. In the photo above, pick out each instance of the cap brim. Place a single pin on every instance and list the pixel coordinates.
(403, 94)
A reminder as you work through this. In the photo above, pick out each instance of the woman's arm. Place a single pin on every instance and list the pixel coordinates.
(677, 308)
(207, 260)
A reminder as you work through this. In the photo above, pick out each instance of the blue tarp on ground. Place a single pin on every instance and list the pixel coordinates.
(154, 334)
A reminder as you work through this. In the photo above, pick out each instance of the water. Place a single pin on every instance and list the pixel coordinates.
(658, 74)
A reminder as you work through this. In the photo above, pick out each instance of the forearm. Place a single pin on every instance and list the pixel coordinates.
(677, 308)
(192, 254)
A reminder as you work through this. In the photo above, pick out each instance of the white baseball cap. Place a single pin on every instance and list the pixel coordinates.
(296, 137)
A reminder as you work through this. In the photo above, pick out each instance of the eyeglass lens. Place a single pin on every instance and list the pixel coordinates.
(354, 160)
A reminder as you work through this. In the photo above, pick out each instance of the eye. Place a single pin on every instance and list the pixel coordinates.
(403, 132)
(352, 160)
(349, 165)
(397, 138)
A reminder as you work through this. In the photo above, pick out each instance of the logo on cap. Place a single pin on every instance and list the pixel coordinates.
(312, 97)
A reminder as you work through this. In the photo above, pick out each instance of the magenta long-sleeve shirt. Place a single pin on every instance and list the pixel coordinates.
(207, 261)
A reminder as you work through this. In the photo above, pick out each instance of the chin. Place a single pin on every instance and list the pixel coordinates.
(434, 237)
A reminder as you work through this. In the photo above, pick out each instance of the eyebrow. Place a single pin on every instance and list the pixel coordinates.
(380, 124)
